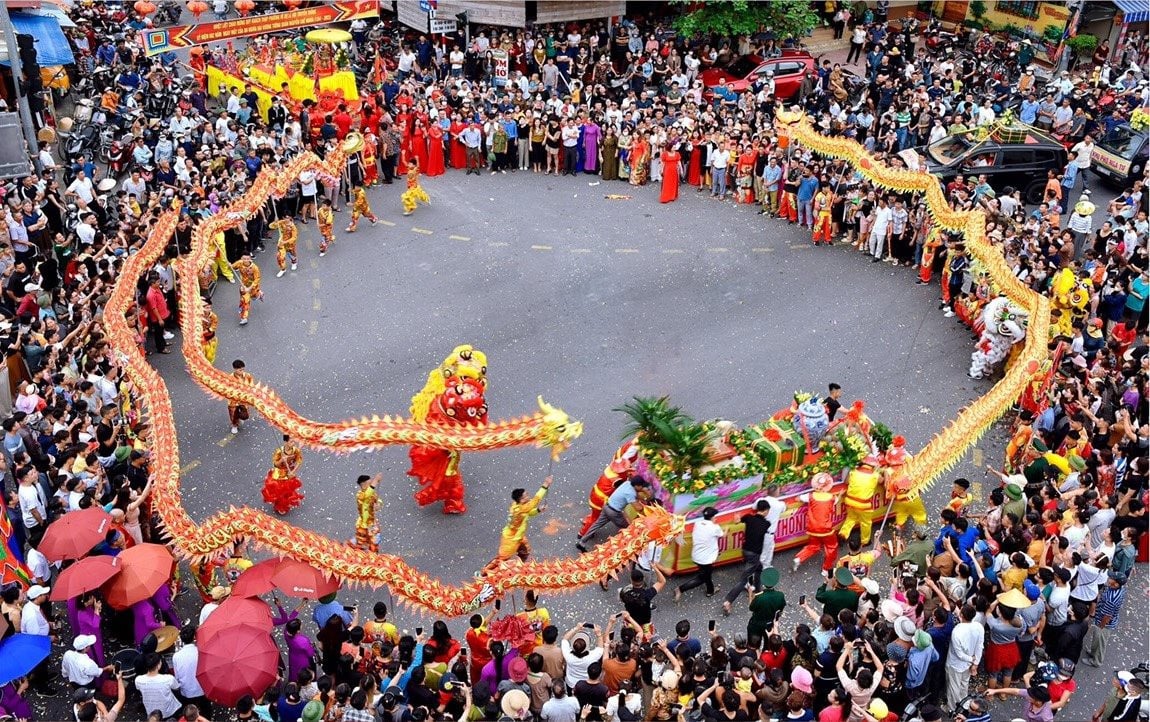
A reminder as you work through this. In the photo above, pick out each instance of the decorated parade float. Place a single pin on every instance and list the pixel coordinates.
(693, 464)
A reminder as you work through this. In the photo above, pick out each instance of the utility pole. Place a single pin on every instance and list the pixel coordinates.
(22, 106)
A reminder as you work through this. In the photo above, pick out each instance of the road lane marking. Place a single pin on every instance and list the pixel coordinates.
(541, 248)
(315, 305)
(762, 250)
(191, 465)
(976, 457)
(799, 246)
(312, 327)
(626, 250)
(225, 441)
(460, 238)
(386, 223)
(672, 250)
(498, 244)
(315, 283)
(580, 250)
(424, 231)
(717, 250)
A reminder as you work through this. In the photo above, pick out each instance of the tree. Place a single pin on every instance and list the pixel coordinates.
(784, 18)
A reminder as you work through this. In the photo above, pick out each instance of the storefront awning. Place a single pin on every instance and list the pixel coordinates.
(1135, 11)
(51, 46)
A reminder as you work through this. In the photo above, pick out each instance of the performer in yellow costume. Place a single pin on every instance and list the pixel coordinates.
(513, 539)
(325, 217)
(360, 207)
(221, 260)
(822, 205)
(898, 483)
(286, 247)
(211, 324)
(414, 192)
(862, 485)
(366, 503)
(249, 274)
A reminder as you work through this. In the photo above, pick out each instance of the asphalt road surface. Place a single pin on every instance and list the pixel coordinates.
(587, 301)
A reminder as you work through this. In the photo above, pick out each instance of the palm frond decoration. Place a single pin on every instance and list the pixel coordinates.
(646, 414)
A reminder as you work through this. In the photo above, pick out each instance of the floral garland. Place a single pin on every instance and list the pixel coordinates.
(844, 452)
(1140, 119)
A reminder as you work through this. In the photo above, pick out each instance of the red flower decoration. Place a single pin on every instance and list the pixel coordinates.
(772, 434)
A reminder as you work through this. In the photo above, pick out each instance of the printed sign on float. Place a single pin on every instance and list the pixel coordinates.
(440, 26)
(156, 41)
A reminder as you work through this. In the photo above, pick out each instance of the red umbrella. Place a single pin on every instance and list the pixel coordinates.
(236, 611)
(235, 661)
(303, 581)
(74, 534)
(257, 580)
(85, 575)
(143, 569)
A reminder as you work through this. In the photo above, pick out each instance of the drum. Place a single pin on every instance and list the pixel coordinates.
(126, 660)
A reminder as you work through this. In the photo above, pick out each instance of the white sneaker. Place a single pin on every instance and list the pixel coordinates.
(949, 313)
(281, 273)
(321, 255)
(293, 266)
(232, 279)
(168, 335)
(795, 565)
(235, 429)
(243, 322)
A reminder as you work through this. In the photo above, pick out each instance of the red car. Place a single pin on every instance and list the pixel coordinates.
(789, 70)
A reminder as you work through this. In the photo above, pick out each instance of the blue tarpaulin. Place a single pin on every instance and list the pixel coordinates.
(52, 47)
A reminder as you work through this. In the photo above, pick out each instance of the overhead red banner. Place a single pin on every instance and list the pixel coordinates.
(184, 36)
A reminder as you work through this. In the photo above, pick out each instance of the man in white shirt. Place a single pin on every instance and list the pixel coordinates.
(577, 652)
(570, 137)
(455, 59)
(1081, 153)
(775, 509)
(32, 619)
(33, 506)
(39, 566)
(82, 188)
(966, 643)
(78, 667)
(156, 690)
(705, 538)
(720, 159)
(880, 230)
(405, 64)
(184, 664)
(86, 230)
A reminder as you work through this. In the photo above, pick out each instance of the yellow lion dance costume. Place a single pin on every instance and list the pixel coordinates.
(862, 485)
(1069, 296)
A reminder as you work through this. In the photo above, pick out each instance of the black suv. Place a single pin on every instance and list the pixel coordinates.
(1016, 156)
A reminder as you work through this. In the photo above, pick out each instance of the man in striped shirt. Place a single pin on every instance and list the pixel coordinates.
(1106, 615)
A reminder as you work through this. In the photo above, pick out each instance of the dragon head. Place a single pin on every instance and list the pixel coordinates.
(660, 525)
(558, 429)
(784, 118)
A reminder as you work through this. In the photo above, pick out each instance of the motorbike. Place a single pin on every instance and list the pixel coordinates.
(117, 157)
(86, 140)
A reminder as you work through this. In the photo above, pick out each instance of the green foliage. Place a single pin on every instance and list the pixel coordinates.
(308, 64)
(650, 417)
(1010, 29)
(882, 436)
(1052, 34)
(342, 61)
(785, 18)
(1083, 44)
(977, 8)
(667, 433)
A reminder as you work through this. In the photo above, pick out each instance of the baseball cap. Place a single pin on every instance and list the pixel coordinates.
(36, 591)
(83, 641)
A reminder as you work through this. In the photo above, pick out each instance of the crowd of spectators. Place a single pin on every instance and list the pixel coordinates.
(1062, 531)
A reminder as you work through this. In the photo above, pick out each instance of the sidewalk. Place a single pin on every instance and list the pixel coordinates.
(822, 45)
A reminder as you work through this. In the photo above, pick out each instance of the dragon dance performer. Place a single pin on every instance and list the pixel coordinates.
(898, 483)
(453, 394)
(513, 538)
(366, 504)
(286, 246)
(281, 485)
(862, 484)
(237, 412)
(209, 341)
(820, 523)
(414, 192)
(618, 471)
(220, 262)
(249, 274)
(360, 207)
(325, 217)
(822, 206)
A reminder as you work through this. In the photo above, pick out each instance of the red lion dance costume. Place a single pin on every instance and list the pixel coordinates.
(618, 471)
(454, 394)
(281, 485)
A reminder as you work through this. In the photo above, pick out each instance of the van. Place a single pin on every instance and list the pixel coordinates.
(1120, 156)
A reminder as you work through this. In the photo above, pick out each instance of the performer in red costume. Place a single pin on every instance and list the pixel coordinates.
(453, 394)
(281, 485)
(618, 471)
(821, 504)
